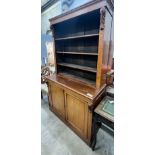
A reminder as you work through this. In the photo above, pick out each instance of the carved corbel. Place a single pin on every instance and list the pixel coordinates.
(102, 19)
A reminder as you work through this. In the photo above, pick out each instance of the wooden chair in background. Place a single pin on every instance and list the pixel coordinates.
(45, 71)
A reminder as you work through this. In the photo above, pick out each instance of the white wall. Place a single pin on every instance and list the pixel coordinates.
(52, 11)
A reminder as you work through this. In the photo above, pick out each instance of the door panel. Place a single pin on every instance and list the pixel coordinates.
(58, 100)
(77, 114)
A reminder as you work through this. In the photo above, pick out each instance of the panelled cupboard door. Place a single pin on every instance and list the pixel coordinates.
(76, 114)
(58, 100)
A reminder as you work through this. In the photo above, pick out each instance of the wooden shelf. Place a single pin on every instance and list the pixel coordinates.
(79, 53)
(85, 68)
(77, 78)
(75, 37)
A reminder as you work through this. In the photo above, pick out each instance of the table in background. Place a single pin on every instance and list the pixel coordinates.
(103, 118)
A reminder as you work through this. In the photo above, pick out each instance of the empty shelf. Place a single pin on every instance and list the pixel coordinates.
(85, 68)
(79, 53)
(74, 37)
(77, 78)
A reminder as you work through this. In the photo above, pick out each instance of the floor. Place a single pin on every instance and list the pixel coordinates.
(58, 139)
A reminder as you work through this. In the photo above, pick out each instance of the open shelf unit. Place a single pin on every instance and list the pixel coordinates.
(78, 44)
(81, 35)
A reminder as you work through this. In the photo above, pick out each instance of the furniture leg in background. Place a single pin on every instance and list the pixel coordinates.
(103, 118)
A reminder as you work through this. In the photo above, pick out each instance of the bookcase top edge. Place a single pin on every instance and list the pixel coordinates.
(83, 9)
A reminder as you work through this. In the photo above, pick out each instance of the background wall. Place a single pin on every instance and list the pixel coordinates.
(45, 39)
(52, 11)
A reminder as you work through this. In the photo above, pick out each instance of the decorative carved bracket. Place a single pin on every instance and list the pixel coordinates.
(102, 19)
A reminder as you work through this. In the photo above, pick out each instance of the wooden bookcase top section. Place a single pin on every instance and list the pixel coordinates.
(82, 42)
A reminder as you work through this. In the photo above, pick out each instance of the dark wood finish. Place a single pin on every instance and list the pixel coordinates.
(82, 42)
(82, 60)
(103, 121)
(100, 47)
(87, 45)
(78, 75)
(77, 113)
(84, 96)
(89, 35)
(76, 37)
(78, 53)
(90, 83)
(73, 102)
(97, 123)
(58, 100)
(90, 69)
(41, 95)
(104, 48)
(74, 85)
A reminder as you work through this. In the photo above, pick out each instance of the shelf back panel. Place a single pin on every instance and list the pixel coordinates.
(77, 73)
(81, 25)
(83, 60)
(87, 45)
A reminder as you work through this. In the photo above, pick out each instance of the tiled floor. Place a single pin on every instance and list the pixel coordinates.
(58, 139)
